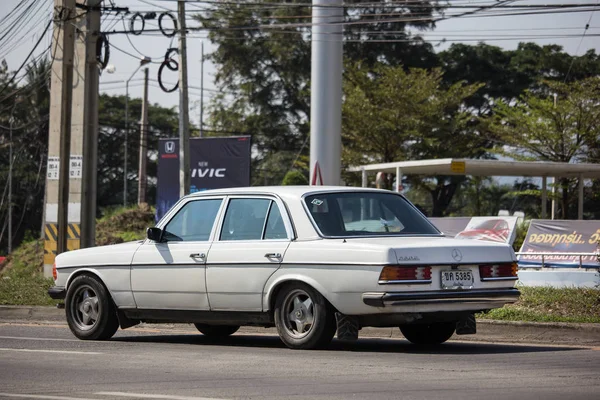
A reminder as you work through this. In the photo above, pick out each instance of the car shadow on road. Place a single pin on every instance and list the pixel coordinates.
(367, 345)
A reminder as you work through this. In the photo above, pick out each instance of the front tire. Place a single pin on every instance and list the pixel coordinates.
(217, 331)
(428, 334)
(303, 318)
(90, 312)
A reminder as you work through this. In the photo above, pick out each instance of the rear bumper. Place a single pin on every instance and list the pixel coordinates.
(390, 299)
(57, 293)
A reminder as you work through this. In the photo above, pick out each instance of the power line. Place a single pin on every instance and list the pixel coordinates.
(26, 58)
(587, 26)
(481, 13)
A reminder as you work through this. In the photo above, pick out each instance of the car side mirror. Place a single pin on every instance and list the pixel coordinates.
(154, 234)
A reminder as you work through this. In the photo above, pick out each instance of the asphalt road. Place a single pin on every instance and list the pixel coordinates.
(44, 361)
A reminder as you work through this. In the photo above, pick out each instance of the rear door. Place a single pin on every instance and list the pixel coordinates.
(251, 244)
(172, 274)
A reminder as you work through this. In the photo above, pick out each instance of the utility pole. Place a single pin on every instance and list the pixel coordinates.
(202, 91)
(143, 61)
(143, 143)
(86, 50)
(10, 172)
(59, 138)
(326, 92)
(184, 121)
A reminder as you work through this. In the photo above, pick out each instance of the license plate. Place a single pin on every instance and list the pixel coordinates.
(457, 279)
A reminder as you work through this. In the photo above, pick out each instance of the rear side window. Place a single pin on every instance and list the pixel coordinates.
(275, 228)
(193, 222)
(252, 219)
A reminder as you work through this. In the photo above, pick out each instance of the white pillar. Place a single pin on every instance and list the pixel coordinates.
(553, 212)
(544, 197)
(326, 93)
(580, 199)
(398, 180)
(364, 178)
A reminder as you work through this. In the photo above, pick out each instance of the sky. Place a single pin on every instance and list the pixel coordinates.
(126, 50)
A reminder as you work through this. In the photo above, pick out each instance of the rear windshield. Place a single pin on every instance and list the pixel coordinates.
(366, 214)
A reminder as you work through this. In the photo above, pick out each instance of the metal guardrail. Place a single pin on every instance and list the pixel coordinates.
(546, 254)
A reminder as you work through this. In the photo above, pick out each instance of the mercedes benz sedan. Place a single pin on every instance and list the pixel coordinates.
(311, 261)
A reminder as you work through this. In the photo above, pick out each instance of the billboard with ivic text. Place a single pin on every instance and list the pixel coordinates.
(215, 163)
(561, 236)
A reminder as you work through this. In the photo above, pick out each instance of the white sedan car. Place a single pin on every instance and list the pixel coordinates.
(309, 260)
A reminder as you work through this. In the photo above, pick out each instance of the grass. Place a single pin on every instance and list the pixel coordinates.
(22, 281)
(547, 304)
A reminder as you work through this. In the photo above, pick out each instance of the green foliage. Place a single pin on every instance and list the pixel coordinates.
(264, 74)
(390, 114)
(27, 106)
(163, 122)
(521, 234)
(547, 304)
(295, 178)
(508, 73)
(536, 128)
(124, 225)
(539, 129)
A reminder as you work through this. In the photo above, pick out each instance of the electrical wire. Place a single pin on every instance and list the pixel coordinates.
(482, 13)
(26, 58)
(587, 26)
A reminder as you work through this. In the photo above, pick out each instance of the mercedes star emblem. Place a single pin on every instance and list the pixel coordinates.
(457, 255)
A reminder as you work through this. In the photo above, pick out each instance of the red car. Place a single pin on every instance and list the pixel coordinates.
(496, 230)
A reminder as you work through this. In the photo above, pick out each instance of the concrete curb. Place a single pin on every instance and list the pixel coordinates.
(566, 334)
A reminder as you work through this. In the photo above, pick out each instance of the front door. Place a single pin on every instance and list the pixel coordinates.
(250, 247)
(172, 274)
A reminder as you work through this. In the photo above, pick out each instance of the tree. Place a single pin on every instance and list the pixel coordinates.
(27, 106)
(390, 114)
(508, 73)
(264, 74)
(535, 128)
(163, 122)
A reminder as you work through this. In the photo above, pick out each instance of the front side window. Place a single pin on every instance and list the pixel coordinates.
(366, 214)
(193, 222)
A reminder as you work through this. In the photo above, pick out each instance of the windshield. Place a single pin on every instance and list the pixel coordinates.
(366, 214)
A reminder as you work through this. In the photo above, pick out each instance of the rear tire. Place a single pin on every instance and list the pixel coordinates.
(428, 334)
(217, 331)
(303, 318)
(90, 312)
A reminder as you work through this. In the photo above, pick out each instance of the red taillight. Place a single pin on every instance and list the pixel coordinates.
(498, 271)
(54, 272)
(405, 274)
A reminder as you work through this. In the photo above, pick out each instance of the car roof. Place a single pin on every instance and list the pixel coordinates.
(284, 191)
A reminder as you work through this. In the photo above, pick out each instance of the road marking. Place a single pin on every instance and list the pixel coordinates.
(153, 396)
(49, 351)
(41, 396)
(39, 338)
(40, 324)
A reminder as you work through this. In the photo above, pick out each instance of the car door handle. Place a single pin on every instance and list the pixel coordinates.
(197, 255)
(273, 255)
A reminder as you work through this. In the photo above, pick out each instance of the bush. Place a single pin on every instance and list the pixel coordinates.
(295, 178)
(522, 229)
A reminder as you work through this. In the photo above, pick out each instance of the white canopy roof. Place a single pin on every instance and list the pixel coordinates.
(463, 166)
